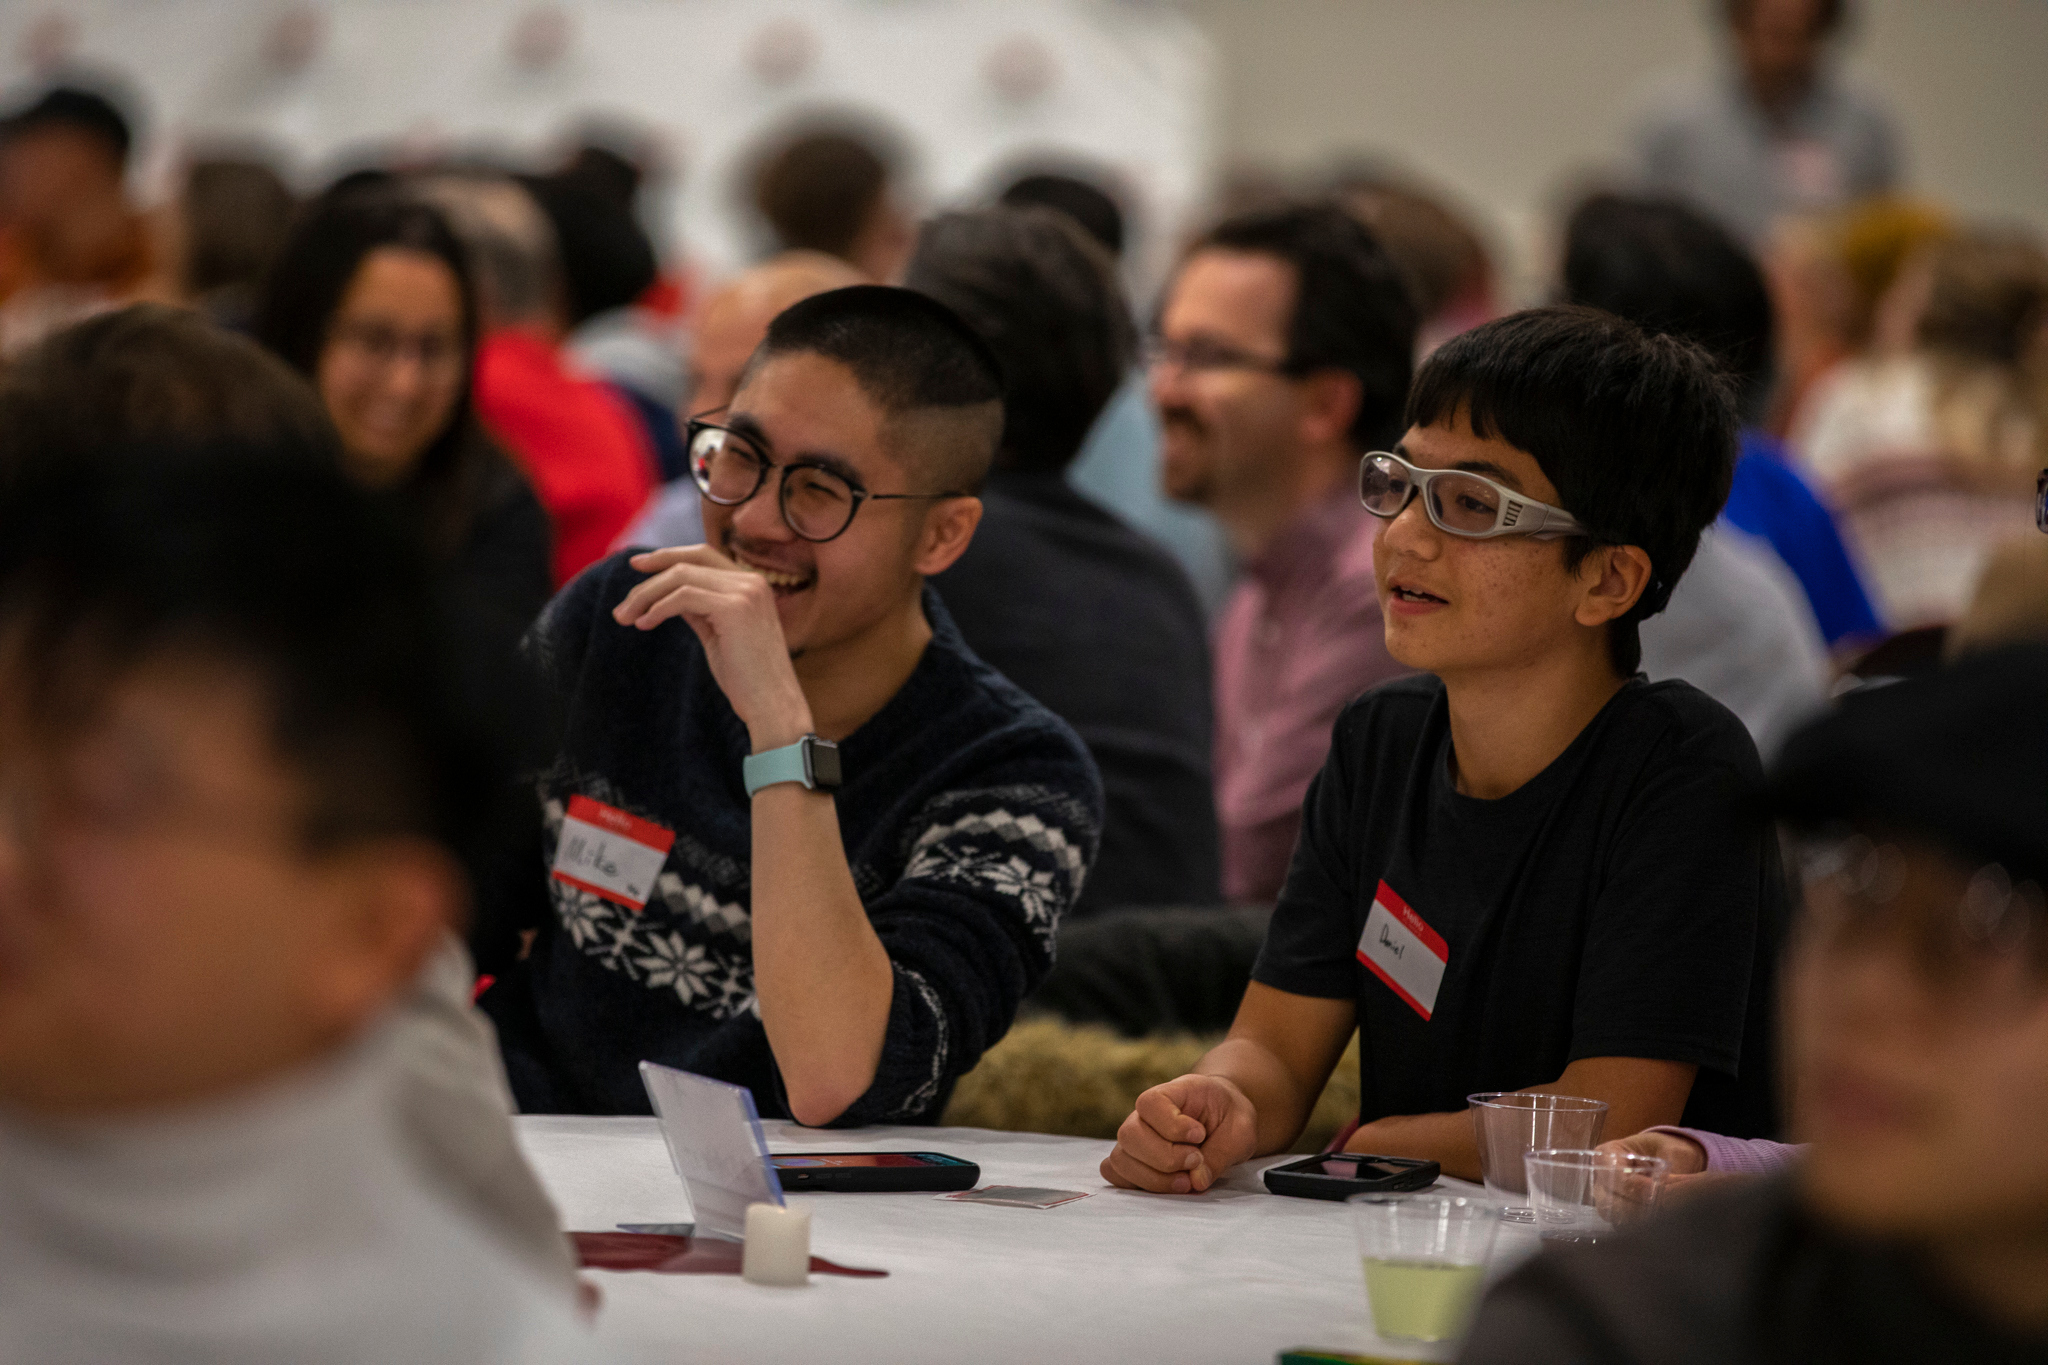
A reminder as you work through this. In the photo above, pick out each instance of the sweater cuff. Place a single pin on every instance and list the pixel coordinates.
(1739, 1156)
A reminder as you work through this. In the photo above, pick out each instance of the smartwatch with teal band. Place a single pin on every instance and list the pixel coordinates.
(811, 761)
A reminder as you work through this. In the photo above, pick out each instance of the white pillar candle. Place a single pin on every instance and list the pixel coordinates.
(778, 1246)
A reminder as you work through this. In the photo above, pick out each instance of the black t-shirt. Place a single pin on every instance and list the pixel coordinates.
(1624, 902)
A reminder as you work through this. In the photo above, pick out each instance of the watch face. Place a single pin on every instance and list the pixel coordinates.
(822, 756)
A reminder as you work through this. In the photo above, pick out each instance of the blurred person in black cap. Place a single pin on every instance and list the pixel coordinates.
(70, 242)
(1916, 1040)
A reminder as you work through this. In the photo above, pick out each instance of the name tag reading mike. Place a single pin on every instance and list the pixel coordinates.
(1399, 949)
(609, 853)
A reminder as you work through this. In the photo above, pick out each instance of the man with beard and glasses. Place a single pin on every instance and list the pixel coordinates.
(801, 839)
(1283, 352)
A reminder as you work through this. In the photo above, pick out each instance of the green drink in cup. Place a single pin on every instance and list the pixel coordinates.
(1425, 1261)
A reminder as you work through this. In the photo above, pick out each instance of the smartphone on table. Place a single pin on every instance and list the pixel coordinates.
(1339, 1175)
(804, 1172)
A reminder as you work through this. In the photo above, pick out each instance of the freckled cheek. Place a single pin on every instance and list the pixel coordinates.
(1497, 598)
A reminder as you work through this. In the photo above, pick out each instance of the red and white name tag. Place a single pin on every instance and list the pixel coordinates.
(610, 853)
(1399, 949)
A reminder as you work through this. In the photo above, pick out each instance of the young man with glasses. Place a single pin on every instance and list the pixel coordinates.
(801, 839)
(1284, 349)
(1532, 869)
(1914, 1223)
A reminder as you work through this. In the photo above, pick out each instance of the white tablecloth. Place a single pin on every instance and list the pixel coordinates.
(1233, 1275)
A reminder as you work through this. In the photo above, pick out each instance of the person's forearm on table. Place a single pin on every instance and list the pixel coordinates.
(824, 979)
(1639, 1093)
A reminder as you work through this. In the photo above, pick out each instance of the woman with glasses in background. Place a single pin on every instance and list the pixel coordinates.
(372, 301)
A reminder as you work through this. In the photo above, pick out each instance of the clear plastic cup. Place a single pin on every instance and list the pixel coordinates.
(1509, 1126)
(1584, 1196)
(1424, 1257)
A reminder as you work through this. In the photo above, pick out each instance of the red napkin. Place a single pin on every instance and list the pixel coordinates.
(679, 1255)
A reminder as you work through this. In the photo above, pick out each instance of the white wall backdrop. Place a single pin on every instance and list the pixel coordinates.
(968, 84)
(1503, 101)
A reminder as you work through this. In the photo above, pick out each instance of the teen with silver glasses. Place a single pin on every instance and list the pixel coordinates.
(1529, 868)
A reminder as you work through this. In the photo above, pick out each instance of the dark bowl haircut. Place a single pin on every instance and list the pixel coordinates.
(1087, 203)
(1046, 298)
(1667, 267)
(1636, 430)
(1353, 308)
(269, 562)
(910, 355)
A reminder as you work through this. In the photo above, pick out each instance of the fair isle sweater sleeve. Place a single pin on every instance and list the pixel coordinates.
(969, 925)
(969, 816)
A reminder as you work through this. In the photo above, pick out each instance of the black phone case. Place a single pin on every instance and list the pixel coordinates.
(876, 1179)
(1303, 1184)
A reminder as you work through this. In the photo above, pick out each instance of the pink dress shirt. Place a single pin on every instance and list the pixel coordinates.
(1300, 637)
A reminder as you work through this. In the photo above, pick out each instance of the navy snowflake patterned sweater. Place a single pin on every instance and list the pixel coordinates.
(969, 812)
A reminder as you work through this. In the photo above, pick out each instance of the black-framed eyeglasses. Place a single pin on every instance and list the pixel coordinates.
(1202, 357)
(2041, 501)
(817, 501)
(384, 345)
(1459, 501)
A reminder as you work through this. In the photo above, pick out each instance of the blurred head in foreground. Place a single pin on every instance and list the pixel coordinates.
(153, 374)
(237, 783)
(1917, 996)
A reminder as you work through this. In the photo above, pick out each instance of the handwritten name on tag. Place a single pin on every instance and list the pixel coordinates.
(1401, 950)
(609, 853)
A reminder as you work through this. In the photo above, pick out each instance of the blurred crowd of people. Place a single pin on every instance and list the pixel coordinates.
(361, 549)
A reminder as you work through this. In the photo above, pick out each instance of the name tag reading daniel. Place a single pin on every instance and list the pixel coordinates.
(1399, 949)
(609, 853)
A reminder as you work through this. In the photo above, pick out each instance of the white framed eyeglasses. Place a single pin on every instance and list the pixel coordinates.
(1458, 502)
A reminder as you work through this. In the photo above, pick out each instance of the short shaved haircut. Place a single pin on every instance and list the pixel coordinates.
(939, 386)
